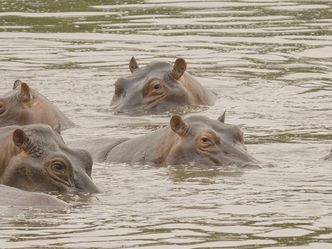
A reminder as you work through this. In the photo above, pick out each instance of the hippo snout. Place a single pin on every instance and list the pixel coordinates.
(87, 186)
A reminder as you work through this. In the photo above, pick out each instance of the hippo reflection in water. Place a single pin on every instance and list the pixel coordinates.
(24, 105)
(159, 87)
(35, 158)
(196, 140)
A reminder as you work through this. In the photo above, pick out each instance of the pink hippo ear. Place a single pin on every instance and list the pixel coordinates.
(16, 84)
(222, 117)
(20, 139)
(25, 93)
(179, 68)
(133, 64)
(178, 125)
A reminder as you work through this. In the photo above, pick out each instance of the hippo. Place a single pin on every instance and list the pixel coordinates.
(159, 87)
(23, 106)
(195, 140)
(14, 197)
(35, 158)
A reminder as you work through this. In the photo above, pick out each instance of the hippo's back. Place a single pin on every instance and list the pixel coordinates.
(18, 198)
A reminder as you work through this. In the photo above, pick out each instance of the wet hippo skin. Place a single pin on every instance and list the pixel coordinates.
(13, 197)
(35, 158)
(194, 140)
(159, 87)
(23, 105)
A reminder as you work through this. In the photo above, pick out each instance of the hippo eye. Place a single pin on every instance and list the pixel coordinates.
(206, 142)
(157, 87)
(58, 167)
(60, 170)
(153, 88)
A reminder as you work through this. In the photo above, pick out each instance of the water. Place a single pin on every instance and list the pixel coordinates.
(270, 63)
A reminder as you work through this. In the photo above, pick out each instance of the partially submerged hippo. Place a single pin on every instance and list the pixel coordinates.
(195, 140)
(24, 105)
(14, 197)
(159, 87)
(35, 158)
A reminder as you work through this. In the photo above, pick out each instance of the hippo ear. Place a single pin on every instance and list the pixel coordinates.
(57, 128)
(222, 117)
(25, 93)
(179, 68)
(20, 139)
(178, 125)
(16, 84)
(133, 64)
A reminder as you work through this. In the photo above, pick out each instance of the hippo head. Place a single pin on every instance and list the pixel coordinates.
(204, 141)
(41, 161)
(24, 105)
(154, 88)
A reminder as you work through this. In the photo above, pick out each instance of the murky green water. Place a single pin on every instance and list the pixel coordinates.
(269, 61)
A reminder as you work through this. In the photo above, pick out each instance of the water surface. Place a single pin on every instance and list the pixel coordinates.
(270, 63)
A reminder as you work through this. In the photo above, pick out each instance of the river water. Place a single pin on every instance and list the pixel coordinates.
(270, 63)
